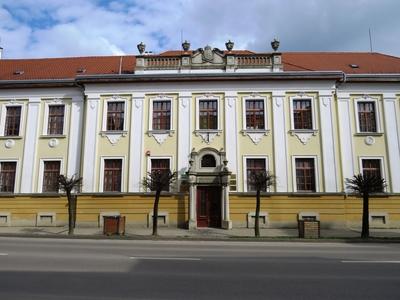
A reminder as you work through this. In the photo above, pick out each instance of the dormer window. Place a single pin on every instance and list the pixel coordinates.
(208, 161)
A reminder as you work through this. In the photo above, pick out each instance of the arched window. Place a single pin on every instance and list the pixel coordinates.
(208, 161)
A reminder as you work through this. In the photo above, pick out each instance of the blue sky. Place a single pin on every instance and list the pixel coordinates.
(52, 28)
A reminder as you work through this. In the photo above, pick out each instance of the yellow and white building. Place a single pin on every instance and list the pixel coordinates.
(312, 119)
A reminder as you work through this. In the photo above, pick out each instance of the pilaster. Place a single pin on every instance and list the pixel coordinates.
(75, 136)
(184, 132)
(31, 138)
(231, 132)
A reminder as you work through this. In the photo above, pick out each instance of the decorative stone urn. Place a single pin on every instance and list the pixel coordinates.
(229, 45)
(141, 47)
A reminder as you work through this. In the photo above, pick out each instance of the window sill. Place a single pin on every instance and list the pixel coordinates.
(10, 137)
(169, 132)
(52, 136)
(108, 132)
(296, 131)
(262, 131)
(200, 131)
(368, 134)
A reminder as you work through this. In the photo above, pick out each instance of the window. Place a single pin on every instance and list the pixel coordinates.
(115, 115)
(255, 118)
(56, 119)
(366, 116)
(13, 120)
(302, 114)
(305, 174)
(208, 114)
(254, 166)
(160, 165)
(51, 171)
(112, 175)
(371, 167)
(208, 161)
(161, 115)
(7, 176)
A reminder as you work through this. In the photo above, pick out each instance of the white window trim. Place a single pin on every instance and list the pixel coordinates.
(255, 97)
(53, 102)
(245, 157)
(316, 172)
(208, 97)
(16, 179)
(381, 160)
(313, 112)
(105, 111)
(367, 98)
(3, 114)
(149, 158)
(41, 170)
(101, 181)
(161, 98)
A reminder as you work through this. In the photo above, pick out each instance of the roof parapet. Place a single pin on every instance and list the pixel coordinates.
(208, 59)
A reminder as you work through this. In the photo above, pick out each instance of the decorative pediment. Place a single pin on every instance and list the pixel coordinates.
(207, 55)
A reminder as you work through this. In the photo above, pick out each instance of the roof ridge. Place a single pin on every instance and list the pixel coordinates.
(66, 57)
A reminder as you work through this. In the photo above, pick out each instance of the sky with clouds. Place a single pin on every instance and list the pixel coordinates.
(52, 28)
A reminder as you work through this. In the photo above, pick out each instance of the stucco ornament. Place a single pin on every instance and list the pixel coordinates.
(207, 137)
(303, 137)
(369, 140)
(160, 137)
(112, 137)
(9, 144)
(255, 137)
(53, 143)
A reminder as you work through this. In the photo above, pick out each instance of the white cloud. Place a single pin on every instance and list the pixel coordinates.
(38, 28)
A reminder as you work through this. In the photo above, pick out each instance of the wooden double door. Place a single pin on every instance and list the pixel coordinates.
(208, 206)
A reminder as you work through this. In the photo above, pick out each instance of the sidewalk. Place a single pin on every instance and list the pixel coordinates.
(204, 233)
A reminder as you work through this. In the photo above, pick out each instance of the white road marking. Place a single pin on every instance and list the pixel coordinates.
(3, 254)
(164, 258)
(371, 261)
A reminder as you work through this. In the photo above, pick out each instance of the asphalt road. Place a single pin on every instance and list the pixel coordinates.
(114, 269)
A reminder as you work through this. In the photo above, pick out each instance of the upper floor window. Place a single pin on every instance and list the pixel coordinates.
(208, 114)
(161, 165)
(55, 123)
(112, 175)
(305, 174)
(254, 166)
(51, 171)
(208, 161)
(371, 167)
(7, 176)
(302, 114)
(13, 121)
(115, 115)
(161, 115)
(366, 116)
(255, 118)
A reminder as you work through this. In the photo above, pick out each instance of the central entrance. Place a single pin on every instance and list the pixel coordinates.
(209, 206)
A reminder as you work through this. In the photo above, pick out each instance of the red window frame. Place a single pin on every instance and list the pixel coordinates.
(254, 165)
(13, 120)
(302, 114)
(56, 119)
(51, 171)
(161, 165)
(161, 115)
(7, 176)
(305, 174)
(366, 116)
(112, 175)
(208, 114)
(115, 115)
(255, 114)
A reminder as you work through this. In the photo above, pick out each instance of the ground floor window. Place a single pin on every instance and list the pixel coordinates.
(254, 166)
(7, 176)
(371, 167)
(161, 165)
(305, 174)
(112, 175)
(51, 171)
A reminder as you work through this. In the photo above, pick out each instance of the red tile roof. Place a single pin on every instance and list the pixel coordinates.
(68, 68)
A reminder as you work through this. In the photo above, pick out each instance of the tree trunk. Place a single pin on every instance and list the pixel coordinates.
(257, 217)
(74, 202)
(70, 214)
(155, 213)
(365, 217)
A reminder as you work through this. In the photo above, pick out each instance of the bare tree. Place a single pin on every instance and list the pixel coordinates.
(158, 181)
(365, 185)
(70, 186)
(261, 181)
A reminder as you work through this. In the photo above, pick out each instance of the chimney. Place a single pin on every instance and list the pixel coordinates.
(1, 52)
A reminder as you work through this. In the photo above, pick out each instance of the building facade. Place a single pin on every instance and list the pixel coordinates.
(215, 117)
